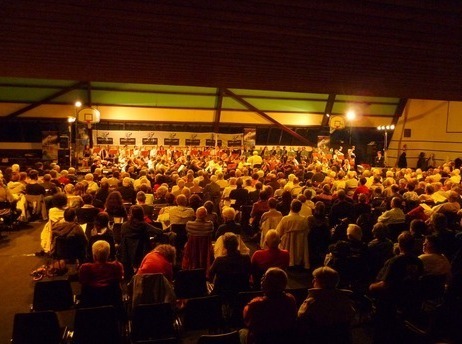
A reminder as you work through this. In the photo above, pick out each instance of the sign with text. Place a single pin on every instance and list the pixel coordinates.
(211, 143)
(171, 142)
(149, 141)
(128, 141)
(234, 143)
(104, 140)
(193, 142)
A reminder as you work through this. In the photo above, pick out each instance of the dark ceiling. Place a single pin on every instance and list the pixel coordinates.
(405, 49)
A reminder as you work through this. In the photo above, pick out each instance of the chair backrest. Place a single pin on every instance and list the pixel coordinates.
(54, 295)
(300, 294)
(96, 325)
(36, 327)
(153, 321)
(224, 338)
(230, 284)
(69, 248)
(432, 287)
(151, 288)
(190, 283)
(110, 295)
(202, 313)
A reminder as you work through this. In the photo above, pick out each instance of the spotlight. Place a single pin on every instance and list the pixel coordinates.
(392, 127)
(71, 119)
(78, 103)
(351, 115)
(387, 127)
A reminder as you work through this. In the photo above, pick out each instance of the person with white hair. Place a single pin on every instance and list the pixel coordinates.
(254, 159)
(272, 256)
(92, 186)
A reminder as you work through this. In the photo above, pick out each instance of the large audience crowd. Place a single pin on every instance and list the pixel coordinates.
(372, 235)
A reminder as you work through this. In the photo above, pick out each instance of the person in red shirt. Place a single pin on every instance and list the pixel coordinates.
(362, 189)
(159, 260)
(262, 260)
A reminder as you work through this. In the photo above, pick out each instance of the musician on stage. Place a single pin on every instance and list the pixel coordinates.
(379, 160)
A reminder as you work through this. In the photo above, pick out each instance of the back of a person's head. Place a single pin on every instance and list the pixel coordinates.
(69, 215)
(326, 277)
(341, 195)
(396, 202)
(354, 232)
(209, 206)
(272, 238)
(141, 196)
(379, 231)
(167, 251)
(301, 198)
(274, 281)
(87, 199)
(230, 242)
(100, 251)
(295, 206)
(272, 203)
(33, 174)
(201, 213)
(432, 244)
(228, 213)
(101, 220)
(406, 241)
(308, 194)
(136, 213)
(59, 200)
(181, 200)
(126, 182)
(439, 221)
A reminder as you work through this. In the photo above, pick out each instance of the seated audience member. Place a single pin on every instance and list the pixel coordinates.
(270, 318)
(418, 230)
(100, 231)
(101, 279)
(181, 213)
(101, 195)
(231, 272)
(136, 240)
(211, 214)
(34, 187)
(267, 258)
(229, 225)
(319, 235)
(395, 288)
(127, 191)
(380, 248)
(87, 213)
(326, 314)
(160, 260)
(258, 209)
(55, 215)
(114, 206)
(434, 262)
(293, 230)
(446, 237)
(198, 251)
(148, 209)
(71, 230)
(269, 220)
(394, 215)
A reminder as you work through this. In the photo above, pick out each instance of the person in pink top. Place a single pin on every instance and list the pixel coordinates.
(270, 257)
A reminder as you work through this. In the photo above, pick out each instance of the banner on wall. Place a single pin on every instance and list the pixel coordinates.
(165, 138)
(250, 135)
(50, 145)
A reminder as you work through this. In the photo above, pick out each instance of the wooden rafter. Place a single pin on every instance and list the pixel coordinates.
(46, 100)
(266, 116)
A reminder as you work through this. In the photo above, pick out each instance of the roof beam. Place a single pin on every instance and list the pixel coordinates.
(399, 110)
(216, 123)
(266, 116)
(46, 100)
(328, 110)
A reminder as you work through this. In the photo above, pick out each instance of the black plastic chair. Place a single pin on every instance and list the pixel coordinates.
(202, 313)
(225, 338)
(54, 295)
(180, 239)
(300, 294)
(37, 327)
(190, 283)
(153, 322)
(98, 325)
